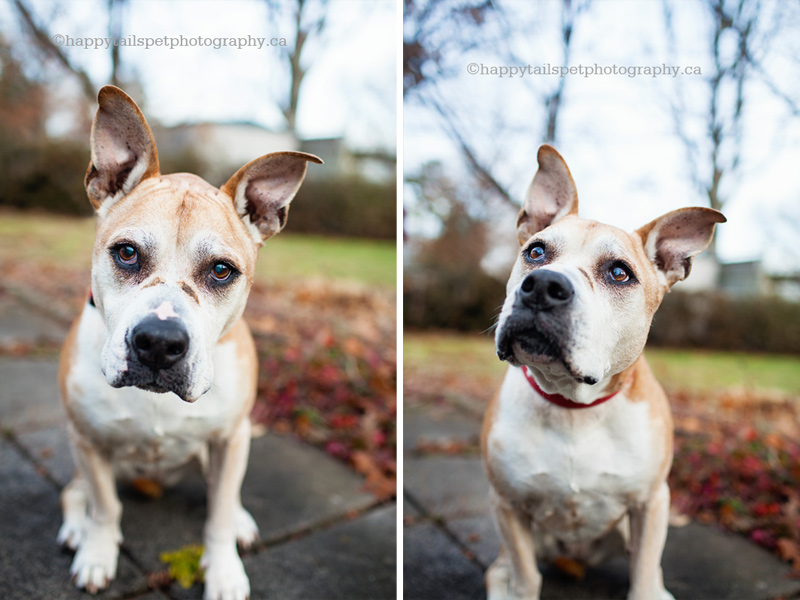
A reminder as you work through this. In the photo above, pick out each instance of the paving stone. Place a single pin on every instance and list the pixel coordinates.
(700, 562)
(50, 448)
(288, 487)
(352, 561)
(29, 394)
(450, 486)
(437, 423)
(703, 562)
(33, 566)
(479, 534)
(435, 569)
(17, 322)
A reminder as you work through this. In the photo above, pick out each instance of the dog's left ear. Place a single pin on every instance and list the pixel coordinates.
(551, 195)
(123, 149)
(673, 239)
(262, 189)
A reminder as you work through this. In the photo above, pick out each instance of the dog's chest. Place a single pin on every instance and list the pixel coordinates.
(149, 434)
(575, 473)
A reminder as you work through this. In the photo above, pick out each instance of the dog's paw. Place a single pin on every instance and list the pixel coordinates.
(246, 529)
(72, 533)
(95, 563)
(224, 576)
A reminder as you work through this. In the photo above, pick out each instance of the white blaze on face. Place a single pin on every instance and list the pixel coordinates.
(165, 311)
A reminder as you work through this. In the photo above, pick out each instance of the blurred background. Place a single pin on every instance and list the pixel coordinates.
(323, 81)
(723, 132)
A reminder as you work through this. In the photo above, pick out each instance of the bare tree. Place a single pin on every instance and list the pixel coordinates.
(739, 37)
(115, 20)
(42, 39)
(570, 11)
(307, 18)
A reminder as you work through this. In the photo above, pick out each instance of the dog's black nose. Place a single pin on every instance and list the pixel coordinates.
(159, 344)
(545, 290)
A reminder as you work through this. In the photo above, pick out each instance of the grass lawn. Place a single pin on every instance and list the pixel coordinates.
(44, 238)
(676, 369)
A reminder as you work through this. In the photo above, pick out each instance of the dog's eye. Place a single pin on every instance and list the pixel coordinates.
(127, 254)
(221, 271)
(537, 252)
(619, 273)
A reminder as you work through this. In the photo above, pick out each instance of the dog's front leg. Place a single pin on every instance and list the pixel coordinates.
(224, 573)
(514, 575)
(95, 562)
(648, 534)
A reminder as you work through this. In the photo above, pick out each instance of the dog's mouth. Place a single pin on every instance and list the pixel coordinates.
(140, 376)
(533, 335)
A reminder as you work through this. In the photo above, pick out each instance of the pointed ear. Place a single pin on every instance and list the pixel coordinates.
(123, 150)
(262, 189)
(551, 195)
(673, 239)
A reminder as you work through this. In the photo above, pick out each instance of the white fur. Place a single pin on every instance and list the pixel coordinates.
(148, 434)
(575, 471)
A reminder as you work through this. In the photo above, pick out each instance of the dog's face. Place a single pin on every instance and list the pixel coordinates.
(174, 256)
(582, 294)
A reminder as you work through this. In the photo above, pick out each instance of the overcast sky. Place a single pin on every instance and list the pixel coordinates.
(350, 87)
(616, 132)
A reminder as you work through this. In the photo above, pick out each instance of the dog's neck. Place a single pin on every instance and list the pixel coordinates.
(566, 391)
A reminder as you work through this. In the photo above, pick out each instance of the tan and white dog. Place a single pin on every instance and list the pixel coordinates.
(577, 443)
(160, 368)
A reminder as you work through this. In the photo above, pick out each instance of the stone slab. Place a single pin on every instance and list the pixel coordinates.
(449, 486)
(437, 423)
(33, 566)
(19, 323)
(29, 394)
(352, 561)
(435, 569)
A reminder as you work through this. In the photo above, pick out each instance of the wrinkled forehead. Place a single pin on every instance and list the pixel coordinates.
(573, 236)
(181, 211)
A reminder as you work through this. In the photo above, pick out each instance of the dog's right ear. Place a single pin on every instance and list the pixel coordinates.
(123, 149)
(551, 195)
(262, 190)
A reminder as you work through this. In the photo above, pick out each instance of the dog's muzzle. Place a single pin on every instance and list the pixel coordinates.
(538, 319)
(546, 290)
(159, 344)
(157, 357)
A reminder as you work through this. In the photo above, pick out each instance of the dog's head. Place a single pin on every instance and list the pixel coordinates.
(582, 294)
(174, 256)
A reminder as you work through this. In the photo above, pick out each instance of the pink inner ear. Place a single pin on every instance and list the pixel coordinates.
(672, 253)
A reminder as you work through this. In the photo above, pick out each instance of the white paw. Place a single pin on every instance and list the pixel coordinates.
(224, 576)
(665, 595)
(95, 563)
(72, 533)
(246, 529)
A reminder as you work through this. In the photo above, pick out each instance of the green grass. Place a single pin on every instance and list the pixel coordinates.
(39, 238)
(692, 370)
(443, 353)
(699, 370)
(293, 255)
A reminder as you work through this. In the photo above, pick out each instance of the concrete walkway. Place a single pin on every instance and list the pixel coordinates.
(449, 538)
(322, 536)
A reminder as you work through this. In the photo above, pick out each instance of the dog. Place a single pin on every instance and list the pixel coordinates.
(159, 371)
(577, 443)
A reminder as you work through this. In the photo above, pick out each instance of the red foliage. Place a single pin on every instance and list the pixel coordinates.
(328, 382)
(746, 478)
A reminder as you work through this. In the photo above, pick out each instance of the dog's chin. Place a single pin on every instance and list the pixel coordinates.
(527, 345)
(161, 382)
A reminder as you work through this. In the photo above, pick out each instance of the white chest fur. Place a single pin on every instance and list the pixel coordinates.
(575, 472)
(148, 434)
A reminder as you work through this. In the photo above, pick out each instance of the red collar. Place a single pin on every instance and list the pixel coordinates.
(560, 400)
